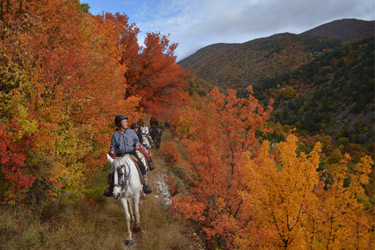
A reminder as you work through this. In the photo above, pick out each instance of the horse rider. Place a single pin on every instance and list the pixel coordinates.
(154, 122)
(125, 141)
(136, 129)
(167, 124)
(144, 128)
(146, 132)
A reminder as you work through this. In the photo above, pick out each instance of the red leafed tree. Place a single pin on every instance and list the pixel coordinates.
(152, 72)
(13, 153)
(217, 131)
(61, 84)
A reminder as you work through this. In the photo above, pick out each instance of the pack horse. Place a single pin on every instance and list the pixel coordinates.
(127, 188)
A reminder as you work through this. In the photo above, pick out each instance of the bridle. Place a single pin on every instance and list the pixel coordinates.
(124, 185)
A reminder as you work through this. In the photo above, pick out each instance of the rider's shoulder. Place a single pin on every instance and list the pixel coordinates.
(130, 131)
(116, 132)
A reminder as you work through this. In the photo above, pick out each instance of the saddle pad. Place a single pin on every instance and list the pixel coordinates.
(134, 159)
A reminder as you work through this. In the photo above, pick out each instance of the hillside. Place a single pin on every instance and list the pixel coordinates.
(333, 93)
(240, 65)
(352, 30)
(319, 84)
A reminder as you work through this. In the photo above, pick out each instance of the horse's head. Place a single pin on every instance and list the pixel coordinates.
(119, 174)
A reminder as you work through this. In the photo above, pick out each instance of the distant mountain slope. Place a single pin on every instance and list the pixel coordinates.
(319, 84)
(352, 30)
(334, 93)
(240, 65)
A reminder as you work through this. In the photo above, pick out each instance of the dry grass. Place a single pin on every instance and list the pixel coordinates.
(95, 223)
(86, 227)
(160, 229)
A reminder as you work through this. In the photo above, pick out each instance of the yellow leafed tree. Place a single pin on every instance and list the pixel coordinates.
(292, 207)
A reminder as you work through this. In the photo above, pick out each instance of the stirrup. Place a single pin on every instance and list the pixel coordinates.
(147, 189)
(108, 192)
(151, 168)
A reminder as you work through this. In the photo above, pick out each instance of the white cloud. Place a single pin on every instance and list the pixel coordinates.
(194, 24)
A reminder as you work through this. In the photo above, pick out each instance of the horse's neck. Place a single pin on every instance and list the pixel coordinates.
(134, 180)
(132, 168)
(156, 131)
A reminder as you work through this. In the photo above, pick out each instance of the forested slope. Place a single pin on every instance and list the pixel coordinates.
(333, 93)
(320, 84)
(240, 65)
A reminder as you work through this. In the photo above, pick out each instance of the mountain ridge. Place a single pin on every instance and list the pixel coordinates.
(323, 30)
(319, 83)
(237, 66)
(348, 29)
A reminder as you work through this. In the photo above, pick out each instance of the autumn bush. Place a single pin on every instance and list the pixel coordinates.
(287, 92)
(214, 132)
(170, 153)
(296, 209)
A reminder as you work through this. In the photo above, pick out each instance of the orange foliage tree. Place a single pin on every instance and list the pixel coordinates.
(250, 195)
(62, 83)
(216, 132)
(293, 208)
(279, 189)
(61, 86)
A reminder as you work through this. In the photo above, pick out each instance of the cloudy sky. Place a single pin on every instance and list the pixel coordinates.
(194, 24)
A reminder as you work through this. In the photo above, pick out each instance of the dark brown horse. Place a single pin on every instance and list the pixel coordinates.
(155, 133)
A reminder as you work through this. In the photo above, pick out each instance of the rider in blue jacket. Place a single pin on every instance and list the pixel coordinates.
(125, 141)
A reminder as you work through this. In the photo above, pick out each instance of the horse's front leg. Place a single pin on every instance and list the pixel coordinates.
(130, 206)
(136, 210)
(129, 239)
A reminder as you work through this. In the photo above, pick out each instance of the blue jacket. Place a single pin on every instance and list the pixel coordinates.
(124, 143)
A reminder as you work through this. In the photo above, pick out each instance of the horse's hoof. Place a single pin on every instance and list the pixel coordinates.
(137, 229)
(129, 242)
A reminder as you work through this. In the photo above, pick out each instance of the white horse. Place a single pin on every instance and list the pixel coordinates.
(147, 143)
(127, 187)
(142, 157)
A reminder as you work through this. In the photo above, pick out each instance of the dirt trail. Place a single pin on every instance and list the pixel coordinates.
(151, 237)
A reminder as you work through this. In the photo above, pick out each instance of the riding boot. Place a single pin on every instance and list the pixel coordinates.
(146, 188)
(152, 167)
(109, 190)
